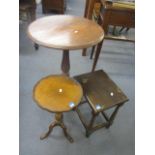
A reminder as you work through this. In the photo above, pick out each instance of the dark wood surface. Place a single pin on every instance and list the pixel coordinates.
(54, 5)
(99, 89)
(28, 2)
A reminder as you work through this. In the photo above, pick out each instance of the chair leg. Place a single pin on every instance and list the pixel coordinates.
(127, 29)
(92, 52)
(121, 29)
(114, 29)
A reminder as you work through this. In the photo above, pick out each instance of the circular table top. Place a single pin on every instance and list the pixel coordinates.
(57, 93)
(65, 32)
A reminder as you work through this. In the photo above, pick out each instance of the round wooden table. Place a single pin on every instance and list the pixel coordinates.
(65, 32)
(58, 94)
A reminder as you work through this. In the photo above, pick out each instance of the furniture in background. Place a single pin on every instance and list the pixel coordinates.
(54, 5)
(27, 10)
(89, 6)
(57, 94)
(101, 93)
(66, 32)
(116, 13)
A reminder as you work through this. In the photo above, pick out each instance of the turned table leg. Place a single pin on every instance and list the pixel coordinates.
(57, 122)
(65, 64)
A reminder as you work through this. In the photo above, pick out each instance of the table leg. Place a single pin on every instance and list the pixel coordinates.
(98, 50)
(84, 52)
(65, 64)
(92, 52)
(58, 122)
(112, 117)
(36, 46)
(49, 131)
(66, 133)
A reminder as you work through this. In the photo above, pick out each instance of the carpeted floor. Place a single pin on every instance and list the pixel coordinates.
(117, 59)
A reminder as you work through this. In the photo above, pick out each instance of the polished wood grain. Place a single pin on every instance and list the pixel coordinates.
(65, 32)
(54, 93)
(58, 94)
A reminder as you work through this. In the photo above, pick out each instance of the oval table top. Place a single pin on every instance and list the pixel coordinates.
(65, 32)
(57, 93)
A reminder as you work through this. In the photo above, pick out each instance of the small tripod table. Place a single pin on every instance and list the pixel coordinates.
(58, 94)
(65, 32)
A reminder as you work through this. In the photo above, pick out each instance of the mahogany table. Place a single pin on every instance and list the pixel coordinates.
(58, 94)
(65, 32)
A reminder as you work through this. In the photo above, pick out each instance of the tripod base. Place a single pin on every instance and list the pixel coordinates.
(58, 122)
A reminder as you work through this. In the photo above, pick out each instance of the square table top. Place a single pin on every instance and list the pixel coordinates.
(101, 92)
